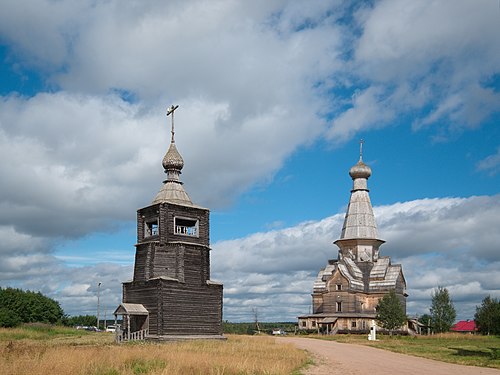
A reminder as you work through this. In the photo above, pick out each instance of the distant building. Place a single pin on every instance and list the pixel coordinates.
(171, 294)
(347, 291)
(464, 326)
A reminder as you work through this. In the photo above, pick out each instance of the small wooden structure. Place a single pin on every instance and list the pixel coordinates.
(171, 294)
(135, 324)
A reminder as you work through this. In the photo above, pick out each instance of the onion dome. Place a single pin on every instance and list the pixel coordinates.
(360, 170)
(172, 159)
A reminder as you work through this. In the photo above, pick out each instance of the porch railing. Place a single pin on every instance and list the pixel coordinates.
(132, 336)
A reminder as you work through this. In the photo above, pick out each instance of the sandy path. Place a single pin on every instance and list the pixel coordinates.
(348, 359)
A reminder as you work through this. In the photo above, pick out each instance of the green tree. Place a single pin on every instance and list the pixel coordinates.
(8, 319)
(443, 312)
(390, 312)
(487, 316)
(30, 307)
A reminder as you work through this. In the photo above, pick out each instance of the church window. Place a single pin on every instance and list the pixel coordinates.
(186, 227)
(339, 306)
(313, 323)
(151, 228)
(303, 323)
(339, 286)
(353, 324)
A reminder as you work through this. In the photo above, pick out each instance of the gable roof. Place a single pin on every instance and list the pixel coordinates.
(464, 326)
(131, 309)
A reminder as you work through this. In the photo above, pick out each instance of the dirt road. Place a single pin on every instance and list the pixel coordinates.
(348, 359)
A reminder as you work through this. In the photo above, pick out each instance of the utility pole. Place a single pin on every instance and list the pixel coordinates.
(256, 318)
(98, 297)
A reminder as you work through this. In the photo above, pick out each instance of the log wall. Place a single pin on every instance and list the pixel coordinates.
(176, 308)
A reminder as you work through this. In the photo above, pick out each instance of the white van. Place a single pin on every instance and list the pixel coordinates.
(110, 329)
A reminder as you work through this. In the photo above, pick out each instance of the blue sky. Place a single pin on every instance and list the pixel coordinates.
(274, 98)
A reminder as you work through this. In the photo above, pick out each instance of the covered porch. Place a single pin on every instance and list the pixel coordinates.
(135, 319)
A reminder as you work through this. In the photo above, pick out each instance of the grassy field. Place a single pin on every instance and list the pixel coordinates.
(471, 350)
(56, 350)
(44, 350)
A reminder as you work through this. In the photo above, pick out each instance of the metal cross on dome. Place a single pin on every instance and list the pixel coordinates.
(361, 141)
(171, 111)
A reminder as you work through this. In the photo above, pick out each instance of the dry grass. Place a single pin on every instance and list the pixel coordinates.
(96, 354)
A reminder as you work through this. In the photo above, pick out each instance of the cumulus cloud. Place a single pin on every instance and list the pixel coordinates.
(368, 111)
(263, 57)
(437, 226)
(76, 162)
(490, 164)
(424, 58)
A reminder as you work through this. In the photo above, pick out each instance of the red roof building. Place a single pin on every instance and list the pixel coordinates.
(465, 326)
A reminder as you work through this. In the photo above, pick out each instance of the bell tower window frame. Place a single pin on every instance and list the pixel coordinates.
(186, 226)
(151, 228)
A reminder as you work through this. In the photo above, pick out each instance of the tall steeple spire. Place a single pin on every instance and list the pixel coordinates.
(172, 190)
(359, 219)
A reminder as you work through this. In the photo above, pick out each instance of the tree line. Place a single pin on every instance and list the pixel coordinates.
(18, 306)
(391, 316)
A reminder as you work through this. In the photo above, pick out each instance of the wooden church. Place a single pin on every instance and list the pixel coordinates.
(171, 294)
(347, 291)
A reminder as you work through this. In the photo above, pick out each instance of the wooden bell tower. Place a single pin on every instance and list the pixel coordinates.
(172, 262)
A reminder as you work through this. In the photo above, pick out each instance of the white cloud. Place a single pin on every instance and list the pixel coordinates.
(76, 162)
(42, 31)
(491, 163)
(368, 111)
(20, 243)
(411, 39)
(428, 56)
(438, 225)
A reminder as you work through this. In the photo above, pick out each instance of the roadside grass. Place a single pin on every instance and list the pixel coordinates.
(470, 350)
(38, 331)
(43, 351)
